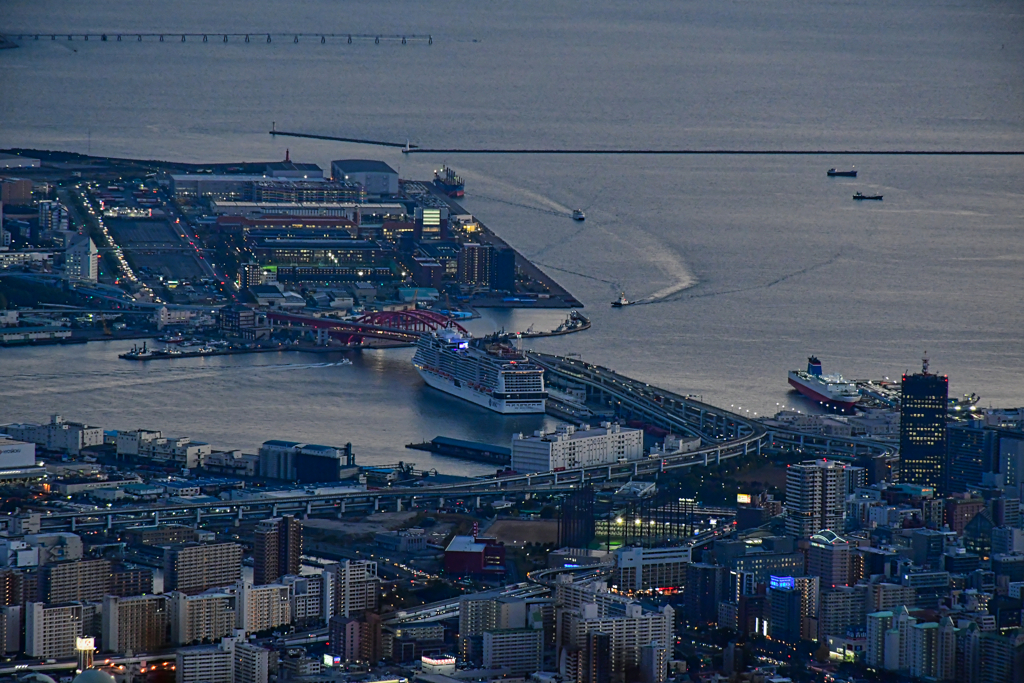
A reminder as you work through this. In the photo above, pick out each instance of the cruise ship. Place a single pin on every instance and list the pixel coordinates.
(488, 372)
(831, 390)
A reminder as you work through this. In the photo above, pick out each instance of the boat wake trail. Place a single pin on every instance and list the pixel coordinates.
(550, 212)
(306, 366)
(614, 284)
(766, 285)
(539, 201)
(672, 266)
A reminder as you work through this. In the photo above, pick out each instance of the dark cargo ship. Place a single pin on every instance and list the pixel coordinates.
(449, 182)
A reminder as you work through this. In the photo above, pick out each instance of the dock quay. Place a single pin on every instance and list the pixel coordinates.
(466, 450)
(145, 354)
(575, 322)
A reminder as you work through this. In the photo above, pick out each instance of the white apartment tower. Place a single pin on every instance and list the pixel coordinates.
(81, 259)
(51, 630)
(815, 497)
(355, 587)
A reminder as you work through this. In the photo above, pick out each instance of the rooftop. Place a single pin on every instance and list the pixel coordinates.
(363, 166)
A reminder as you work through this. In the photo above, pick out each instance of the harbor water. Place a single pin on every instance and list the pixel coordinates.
(742, 265)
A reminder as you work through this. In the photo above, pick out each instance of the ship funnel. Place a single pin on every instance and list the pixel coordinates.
(814, 366)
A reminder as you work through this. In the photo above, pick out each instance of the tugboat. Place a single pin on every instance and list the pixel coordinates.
(858, 195)
(578, 215)
(621, 301)
(835, 172)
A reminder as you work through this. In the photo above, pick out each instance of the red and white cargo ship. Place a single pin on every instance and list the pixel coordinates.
(831, 390)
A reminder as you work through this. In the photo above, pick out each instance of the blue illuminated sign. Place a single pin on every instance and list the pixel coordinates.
(781, 582)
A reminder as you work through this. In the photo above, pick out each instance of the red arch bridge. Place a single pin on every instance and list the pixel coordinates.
(393, 326)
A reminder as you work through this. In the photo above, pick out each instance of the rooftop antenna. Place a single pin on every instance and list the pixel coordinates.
(287, 155)
(924, 364)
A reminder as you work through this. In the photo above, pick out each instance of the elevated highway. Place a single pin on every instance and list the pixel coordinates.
(724, 434)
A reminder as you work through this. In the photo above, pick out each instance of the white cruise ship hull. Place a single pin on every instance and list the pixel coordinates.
(481, 399)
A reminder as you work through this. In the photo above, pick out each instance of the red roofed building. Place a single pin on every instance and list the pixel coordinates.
(468, 556)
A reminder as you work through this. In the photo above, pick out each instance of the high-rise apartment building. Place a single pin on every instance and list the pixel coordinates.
(839, 609)
(923, 409)
(135, 624)
(194, 567)
(877, 625)
(355, 587)
(206, 617)
(815, 497)
(654, 662)
(81, 259)
(51, 630)
(628, 626)
(931, 652)
(81, 581)
(277, 549)
(262, 607)
(476, 264)
(488, 612)
(519, 650)
(206, 663)
(252, 663)
(10, 629)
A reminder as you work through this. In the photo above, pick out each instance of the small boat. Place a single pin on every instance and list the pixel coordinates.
(835, 172)
(858, 195)
(621, 301)
(578, 215)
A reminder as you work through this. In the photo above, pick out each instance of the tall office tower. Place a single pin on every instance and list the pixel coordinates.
(193, 567)
(829, 559)
(785, 620)
(504, 272)
(576, 520)
(815, 497)
(706, 586)
(923, 409)
(793, 608)
(136, 624)
(277, 549)
(599, 658)
(972, 450)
